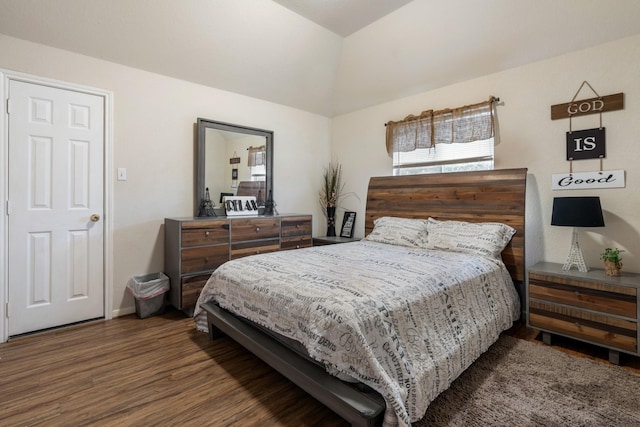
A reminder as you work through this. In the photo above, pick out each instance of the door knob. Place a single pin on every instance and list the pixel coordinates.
(95, 218)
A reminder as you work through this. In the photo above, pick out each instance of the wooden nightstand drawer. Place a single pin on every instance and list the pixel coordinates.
(602, 297)
(296, 226)
(593, 327)
(204, 258)
(253, 229)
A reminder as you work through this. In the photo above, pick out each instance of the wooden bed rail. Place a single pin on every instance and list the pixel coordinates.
(359, 408)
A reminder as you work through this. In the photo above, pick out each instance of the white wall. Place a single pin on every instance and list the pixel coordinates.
(529, 138)
(153, 137)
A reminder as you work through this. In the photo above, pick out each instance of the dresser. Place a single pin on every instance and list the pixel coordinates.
(195, 247)
(590, 307)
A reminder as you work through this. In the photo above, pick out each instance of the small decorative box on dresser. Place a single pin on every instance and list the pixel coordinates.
(590, 307)
(195, 247)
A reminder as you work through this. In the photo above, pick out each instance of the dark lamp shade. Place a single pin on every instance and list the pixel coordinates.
(577, 212)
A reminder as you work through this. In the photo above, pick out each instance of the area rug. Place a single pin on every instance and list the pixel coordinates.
(520, 383)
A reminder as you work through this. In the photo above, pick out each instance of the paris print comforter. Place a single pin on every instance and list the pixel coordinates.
(404, 321)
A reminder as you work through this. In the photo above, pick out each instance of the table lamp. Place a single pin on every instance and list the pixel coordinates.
(576, 212)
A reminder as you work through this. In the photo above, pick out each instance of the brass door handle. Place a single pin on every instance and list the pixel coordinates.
(95, 218)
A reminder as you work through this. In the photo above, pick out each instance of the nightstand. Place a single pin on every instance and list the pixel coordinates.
(590, 307)
(332, 240)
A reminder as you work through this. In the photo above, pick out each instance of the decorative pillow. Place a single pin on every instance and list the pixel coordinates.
(399, 231)
(483, 238)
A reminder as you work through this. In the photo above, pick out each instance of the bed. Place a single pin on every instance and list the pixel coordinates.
(376, 329)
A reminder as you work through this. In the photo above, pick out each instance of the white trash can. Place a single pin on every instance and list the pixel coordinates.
(149, 293)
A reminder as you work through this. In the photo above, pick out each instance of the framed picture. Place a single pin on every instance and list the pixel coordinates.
(223, 195)
(348, 221)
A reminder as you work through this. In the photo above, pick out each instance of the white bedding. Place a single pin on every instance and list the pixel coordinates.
(405, 321)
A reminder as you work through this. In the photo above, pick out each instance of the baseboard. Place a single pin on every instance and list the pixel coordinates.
(123, 311)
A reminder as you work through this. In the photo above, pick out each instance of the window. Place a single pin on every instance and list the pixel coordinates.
(469, 156)
(258, 173)
(256, 162)
(450, 140)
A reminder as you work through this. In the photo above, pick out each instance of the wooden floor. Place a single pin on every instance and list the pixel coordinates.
(160, 371)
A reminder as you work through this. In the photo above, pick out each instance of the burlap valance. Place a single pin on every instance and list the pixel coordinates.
(257, 156)
(457, 125)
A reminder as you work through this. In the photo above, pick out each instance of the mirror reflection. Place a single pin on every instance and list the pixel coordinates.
(232, 160)
(235, 164)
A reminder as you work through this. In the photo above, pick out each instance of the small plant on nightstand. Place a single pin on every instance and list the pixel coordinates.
(612, 261)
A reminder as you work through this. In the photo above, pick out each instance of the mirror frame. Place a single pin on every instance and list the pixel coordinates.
(202, 126)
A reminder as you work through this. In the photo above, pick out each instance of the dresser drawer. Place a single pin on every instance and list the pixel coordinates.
(191, 288)
(296, 226)
(205, 258)
(601, 297)
(253, 229)
(203, 233)
(611, 332)
(239, 250)
(296, 243)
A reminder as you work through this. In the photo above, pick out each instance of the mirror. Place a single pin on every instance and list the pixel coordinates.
(232, 160)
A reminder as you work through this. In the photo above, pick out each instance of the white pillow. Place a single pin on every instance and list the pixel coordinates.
(399, 231)
(483, 238)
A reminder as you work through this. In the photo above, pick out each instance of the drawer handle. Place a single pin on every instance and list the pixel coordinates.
(257, 229)
(206, 260)
(297, 246)
(257, 252)
(206, 233)
(297, 226)
(577, 324)
(577, 293)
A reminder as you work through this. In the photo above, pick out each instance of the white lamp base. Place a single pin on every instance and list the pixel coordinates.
(575, 255)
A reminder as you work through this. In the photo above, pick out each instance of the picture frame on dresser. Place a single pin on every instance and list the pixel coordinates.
(348, 224)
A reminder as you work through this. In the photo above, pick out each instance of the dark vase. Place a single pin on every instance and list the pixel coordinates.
(331, 221)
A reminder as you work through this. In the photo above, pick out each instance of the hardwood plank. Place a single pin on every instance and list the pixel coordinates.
(153, 371)
(161, 371)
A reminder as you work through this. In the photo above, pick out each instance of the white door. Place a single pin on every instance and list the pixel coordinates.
(55, 192)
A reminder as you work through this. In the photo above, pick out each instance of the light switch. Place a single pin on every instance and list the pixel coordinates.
(122, 174)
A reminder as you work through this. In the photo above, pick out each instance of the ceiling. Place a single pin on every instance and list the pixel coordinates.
(343, 17)
(328, 57)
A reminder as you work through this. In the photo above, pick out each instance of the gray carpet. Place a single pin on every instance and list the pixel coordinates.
(519, 383)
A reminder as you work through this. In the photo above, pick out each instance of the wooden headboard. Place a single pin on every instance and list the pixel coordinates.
(484, 196)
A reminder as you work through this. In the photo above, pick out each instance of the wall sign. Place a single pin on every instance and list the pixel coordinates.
(234, 170)
(586, 144)
(586, 180)
(240, 205)
(598, 105)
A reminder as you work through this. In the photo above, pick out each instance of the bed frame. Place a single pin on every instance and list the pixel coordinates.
(485, 196)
